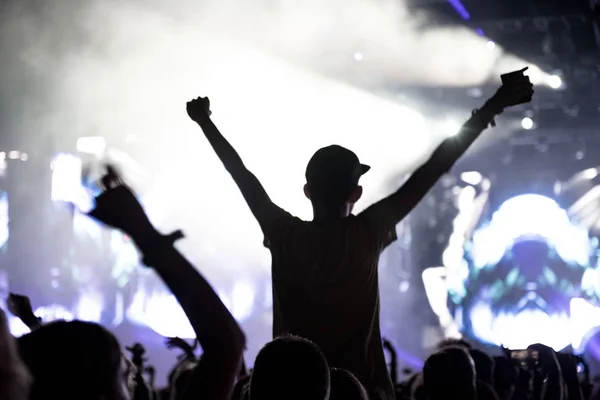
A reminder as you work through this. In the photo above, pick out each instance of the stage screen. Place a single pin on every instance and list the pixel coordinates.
(525, 275)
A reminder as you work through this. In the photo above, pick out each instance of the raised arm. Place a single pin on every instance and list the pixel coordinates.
(221, 338)
(391, 210)
(254, 193)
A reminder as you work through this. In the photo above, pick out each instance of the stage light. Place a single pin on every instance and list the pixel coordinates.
(13, 155)
(66, 178)
(451, 128)
(555, 81)
(590, 173)
(404, 286)
(491, 45)
(471, 177)
(527, 123)
(358, 56)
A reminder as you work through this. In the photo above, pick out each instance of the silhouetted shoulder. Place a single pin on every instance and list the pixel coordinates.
(377, 223)
(276, 223)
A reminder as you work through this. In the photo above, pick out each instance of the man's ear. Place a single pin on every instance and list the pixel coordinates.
(356, 194)
(306, 192)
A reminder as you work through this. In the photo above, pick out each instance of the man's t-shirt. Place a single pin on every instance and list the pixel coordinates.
(325, 289)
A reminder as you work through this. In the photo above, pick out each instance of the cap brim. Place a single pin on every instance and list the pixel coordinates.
(364, 169)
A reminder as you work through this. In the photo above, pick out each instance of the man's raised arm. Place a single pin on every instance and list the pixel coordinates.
(254, 193)
(391, 210)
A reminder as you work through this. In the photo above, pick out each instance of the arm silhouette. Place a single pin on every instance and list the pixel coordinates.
(221, 338)
(253, 191)
(392, 209)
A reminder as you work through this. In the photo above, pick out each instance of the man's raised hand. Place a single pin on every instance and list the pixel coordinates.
(516, 91)
(199, 109)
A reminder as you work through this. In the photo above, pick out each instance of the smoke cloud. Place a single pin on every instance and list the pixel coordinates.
(276, 72)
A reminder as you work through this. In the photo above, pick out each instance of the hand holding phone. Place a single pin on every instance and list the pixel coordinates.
(516, 89)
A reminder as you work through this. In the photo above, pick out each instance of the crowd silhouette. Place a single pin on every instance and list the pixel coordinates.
(326, 342)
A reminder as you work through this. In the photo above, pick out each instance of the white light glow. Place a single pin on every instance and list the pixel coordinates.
(527, 123)
(518, 331)
(589, 173)
(530, 214)
(161, 312)
(358, 56)
(585, 317)
(451, 128)
(242, 300)
(66, 178)
(3, 218)
(491, 45)
(471, 177)
(54, 312)
(91, 145)
(555, 81)
(536, 75)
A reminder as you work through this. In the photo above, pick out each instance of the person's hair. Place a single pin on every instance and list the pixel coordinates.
(454, 342)
(72, 360)
(449, 374)
(14, 377)
(290, 368)
(345, 386)
(484, 366)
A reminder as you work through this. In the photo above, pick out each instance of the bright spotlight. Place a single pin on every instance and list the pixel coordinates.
(555, 81)
(471, 177)
(451, 128)
(527, 123)
(358, 56)
(491, 45)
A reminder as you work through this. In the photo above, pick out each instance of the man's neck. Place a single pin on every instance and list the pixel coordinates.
(323, 216)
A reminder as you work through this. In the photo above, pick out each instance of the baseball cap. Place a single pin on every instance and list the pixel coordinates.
(334, 167)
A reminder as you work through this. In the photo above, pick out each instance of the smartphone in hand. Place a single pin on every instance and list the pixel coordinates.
(516, 77)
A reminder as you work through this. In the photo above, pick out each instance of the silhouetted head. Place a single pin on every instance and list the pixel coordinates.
(454, 342)
(332, 178)
(14, 377)
(484, 366)
(290, 368)
(345, 386)
(74, 360)
(450, 374)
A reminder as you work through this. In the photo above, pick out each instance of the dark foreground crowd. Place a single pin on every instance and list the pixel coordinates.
(327, 341)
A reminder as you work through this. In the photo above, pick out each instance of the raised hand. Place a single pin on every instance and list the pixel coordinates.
(178, 343)
(118, 208)
(517, 90)
(199, 109)
(20, 307)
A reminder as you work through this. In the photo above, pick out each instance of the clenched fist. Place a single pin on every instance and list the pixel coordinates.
(199, 108)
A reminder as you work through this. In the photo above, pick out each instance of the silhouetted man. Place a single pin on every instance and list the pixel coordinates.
(324, 271)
